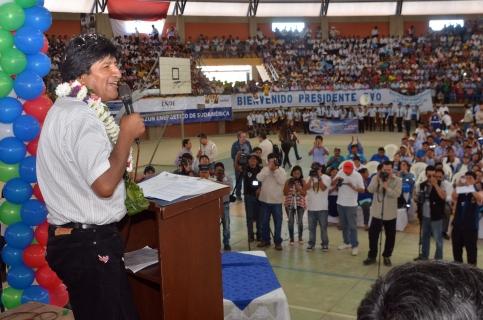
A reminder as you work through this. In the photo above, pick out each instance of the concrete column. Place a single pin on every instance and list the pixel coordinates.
(252, 26)
(324, 27)
(103, 25)
(396, 26)
(180, 27)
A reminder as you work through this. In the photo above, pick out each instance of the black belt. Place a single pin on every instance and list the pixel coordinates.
(85, 226)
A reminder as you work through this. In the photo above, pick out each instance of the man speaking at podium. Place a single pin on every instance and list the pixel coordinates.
(81, 160)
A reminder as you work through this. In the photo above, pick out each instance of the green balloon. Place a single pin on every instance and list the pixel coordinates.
(26, 3)
(11, 297)
(12, 16)
(8, 171)
(10, 213)
(6, 84)
(13, 61)
(6, 40)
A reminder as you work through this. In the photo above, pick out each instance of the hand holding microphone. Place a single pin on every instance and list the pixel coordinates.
(131, 124)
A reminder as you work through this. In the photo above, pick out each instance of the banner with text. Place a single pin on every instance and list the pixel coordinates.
(327, 127)
(152, 119)
(341, 98)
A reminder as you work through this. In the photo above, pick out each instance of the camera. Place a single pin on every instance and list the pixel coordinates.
(340, 182)
(183, 162)
(313, 173)
(383, 175)
(243, 160)
(204, 167)
(276, 162)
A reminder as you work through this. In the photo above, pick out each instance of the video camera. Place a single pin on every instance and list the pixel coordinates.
(243, 159)
(314, 170)
(203, 167)
(384, 176)
(340, 182)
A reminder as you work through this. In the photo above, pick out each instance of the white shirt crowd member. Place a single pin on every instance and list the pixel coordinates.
(209, 150)
(347, 196)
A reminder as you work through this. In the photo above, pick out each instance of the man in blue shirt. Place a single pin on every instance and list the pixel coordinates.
(380, 156)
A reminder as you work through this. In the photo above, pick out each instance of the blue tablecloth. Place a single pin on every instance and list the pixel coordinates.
(246, 277)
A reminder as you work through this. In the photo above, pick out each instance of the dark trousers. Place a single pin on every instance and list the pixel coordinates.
(252, 210)
(274, 210)
(238, 183)
(389, 230)
(407, 126)
(90, 264)
(286, 151)
(390, 123)
(467, 239)
(295, 214)
(306, 127)
(372, 123)
(361, 125)
(296, 151)
(399, 121)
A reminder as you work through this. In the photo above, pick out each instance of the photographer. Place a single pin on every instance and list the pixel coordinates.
(317, 188)
(386, 188)
(294, 191)
(220, 177)
(271, 198)
(185, 167)
(431, 201)
(240, 150)
(350, 183)
(251, 190)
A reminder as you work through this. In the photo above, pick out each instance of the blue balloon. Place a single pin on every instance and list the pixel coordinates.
(27, 169)
(12, 150)
(20, 277)
(39, 63)
(12, 256)
(17, 191)
(28, 85)
(35, 294)
(10, 109)
(26, 127)
(29, 40)
(33, 212)
(38, 17)
(40, 2)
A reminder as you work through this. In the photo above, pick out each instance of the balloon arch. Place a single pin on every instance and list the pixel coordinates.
(23, 107)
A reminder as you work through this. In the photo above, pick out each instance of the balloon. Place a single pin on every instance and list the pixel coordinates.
(34, 256)
(11, 297)
(26, 3)
(59, 296)
(33, 212)
(12, 150)
(26, 128)
(27, 169)
(10, 109)
(28, 85)
(6, 83)
(39, 63)
(38, 17)
(37, 107)
(40, 2)
(6, 40)
(20, 277)
(35, 294)
(42, 233)
(13, 61)
(32, 146)
(29, 40)
(12, 256)
(45, 48)
(10, 213)
(6, 130)
(37, 193)
(17, 191)
(13, 16)
(8, 171)
(19, 235)
(47, 278)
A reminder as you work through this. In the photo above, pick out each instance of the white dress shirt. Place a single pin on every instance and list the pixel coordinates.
(73, 152)
(209, 150)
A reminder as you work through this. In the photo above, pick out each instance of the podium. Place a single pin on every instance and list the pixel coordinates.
(187, 281)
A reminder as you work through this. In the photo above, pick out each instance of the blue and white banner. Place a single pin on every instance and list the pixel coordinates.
(341, 98)
(326, 127)
(152, 119)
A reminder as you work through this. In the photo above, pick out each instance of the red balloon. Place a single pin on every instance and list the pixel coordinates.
(38, 107)
(38, 193)
(45, 48)
(34, 256)
(42, 233)
(32, 146)
(59, 296)
(47, 278)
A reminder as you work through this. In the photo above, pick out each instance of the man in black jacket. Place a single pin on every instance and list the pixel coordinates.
(431, 202)
(251, 189)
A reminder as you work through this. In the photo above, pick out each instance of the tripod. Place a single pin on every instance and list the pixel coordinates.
(380, 232)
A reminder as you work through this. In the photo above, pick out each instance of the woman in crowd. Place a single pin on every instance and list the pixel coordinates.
(294, 202)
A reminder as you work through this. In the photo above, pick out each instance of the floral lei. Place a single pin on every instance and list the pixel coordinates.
(75, 89)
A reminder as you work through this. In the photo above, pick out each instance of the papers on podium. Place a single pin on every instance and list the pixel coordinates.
(140, 259)
(169, 187)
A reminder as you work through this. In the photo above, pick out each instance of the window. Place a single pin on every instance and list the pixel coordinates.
(228, 73)
(288, 26)
(437, 25)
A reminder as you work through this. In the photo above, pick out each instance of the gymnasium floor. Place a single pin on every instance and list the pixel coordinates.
(318, 285)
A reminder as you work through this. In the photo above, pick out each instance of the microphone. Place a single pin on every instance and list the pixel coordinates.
(126, 97)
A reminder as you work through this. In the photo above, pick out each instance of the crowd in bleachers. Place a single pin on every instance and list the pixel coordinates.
(447, 62)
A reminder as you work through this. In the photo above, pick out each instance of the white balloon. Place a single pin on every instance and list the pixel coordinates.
(6, 130)
(364, 99)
